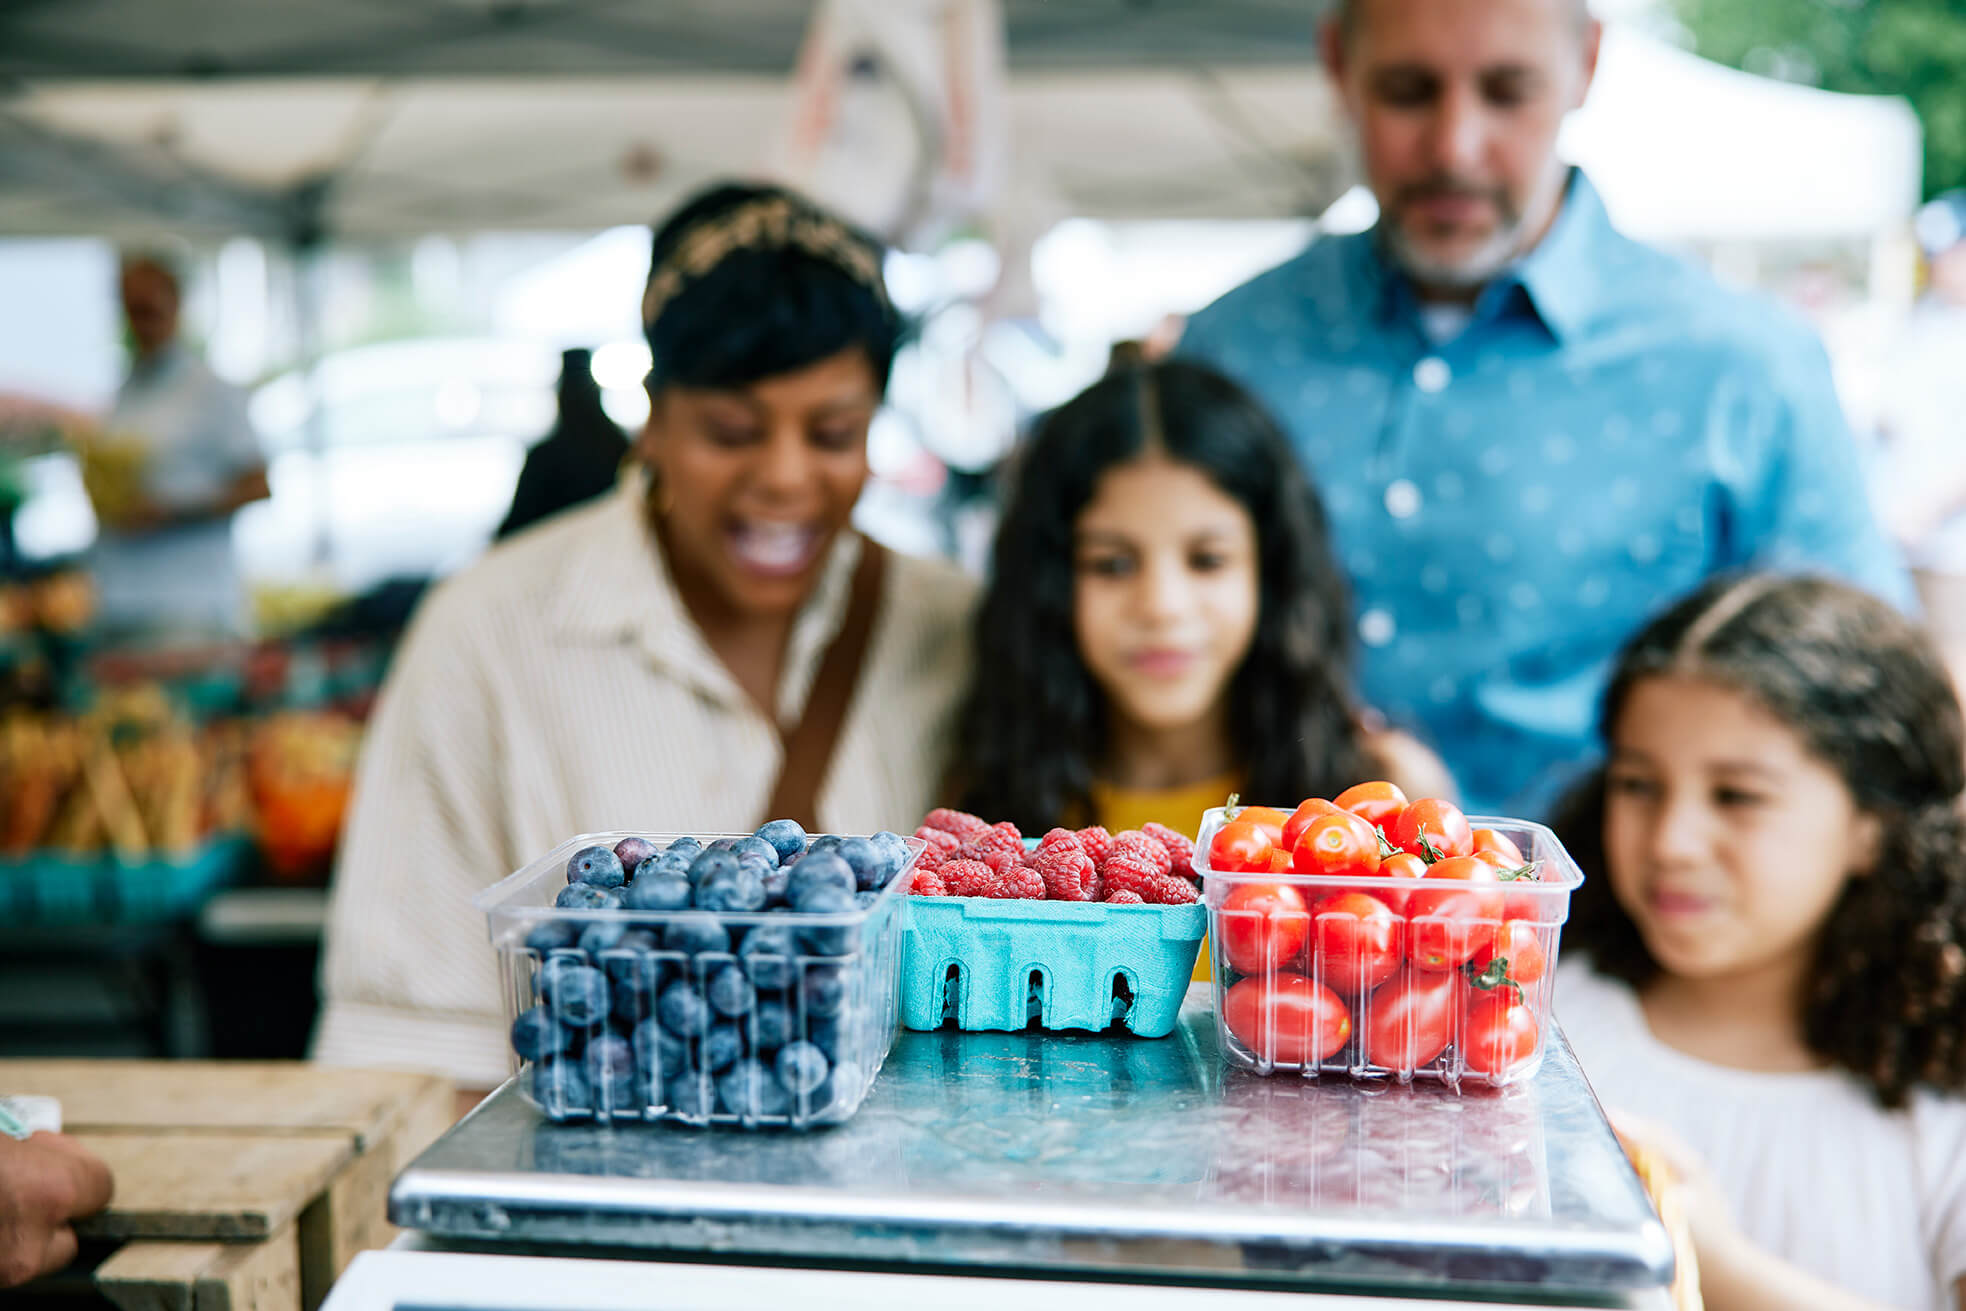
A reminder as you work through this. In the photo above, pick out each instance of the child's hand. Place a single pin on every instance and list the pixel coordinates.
(1707, 1212)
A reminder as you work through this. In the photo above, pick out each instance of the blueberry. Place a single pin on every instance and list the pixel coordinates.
(832, 1036)
(536, 1035)
(659, 1054)
(550, 935)
(823, 990)
(801, 1068)
(864, 859)
(561, 1089)
(827, 939)
(577, 994)
(658, 889)
(738, 892)
(598, 866)
(630, 964)
(818, 869)
(867, 898)
(722, 844)
(840, 1094)
(776, 884)
(683, 1011)
(609, 1064)
(669, 862)
(749, 1090)
(894, 853)
(823, 843)
(767, 956)
(688, 847)
(730, 993)
(711, 864)
(771, 1025)
(754, 846)
(603, 936)
(585, 896)
(785, 836)
(696, 932)
(723, 1046)
(692, 1096)
(631, 852)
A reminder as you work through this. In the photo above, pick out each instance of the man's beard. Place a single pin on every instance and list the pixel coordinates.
(1468, 271)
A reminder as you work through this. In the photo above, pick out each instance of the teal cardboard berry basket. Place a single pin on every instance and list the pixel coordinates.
(50, 890)
(992, 964)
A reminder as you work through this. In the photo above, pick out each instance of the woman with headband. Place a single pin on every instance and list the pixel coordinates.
(709, 646)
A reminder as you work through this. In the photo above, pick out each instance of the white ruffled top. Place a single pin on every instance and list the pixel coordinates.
(1872, 1200)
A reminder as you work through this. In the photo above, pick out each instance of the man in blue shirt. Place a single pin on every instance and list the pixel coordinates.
(1530, 432)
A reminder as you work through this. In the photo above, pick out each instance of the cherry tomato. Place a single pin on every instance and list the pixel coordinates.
(1339, 844)
(1453, 913)
(1445, 827)
(1355, 943)
(1487, 840)
(1410, 1022)
(1280, 860)
(1399, 865)
(1287, 1018)
(1293, 828)
(1515, 905)
(1262, 926)
(1377, 802)
(1500, 1034)
(1268, 818)
(1238, 847)
(1519, 949)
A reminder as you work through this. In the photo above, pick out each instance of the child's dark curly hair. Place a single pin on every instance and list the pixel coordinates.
(1869, 696)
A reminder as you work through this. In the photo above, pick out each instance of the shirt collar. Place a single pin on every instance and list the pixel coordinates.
(1562, 278)
(615, 586)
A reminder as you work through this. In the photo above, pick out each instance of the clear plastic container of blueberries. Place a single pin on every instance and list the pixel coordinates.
(708, 1012)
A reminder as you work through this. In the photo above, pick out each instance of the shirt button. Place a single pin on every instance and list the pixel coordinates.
(1402, 498)
(1432, 374)
(1376, 627)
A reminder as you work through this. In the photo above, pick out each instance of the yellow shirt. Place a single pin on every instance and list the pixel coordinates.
(1118, 809)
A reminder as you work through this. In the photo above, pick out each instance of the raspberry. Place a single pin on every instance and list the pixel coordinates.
(1058, 835)
(993, 846)
(1129, 871)
(928, 883)
(1001, 858)
(959, 822)
(972, 878)
(1067, 871)
(939, 839)
(1173, 890)
(969, 878)
(931, 859)
(1098, 843)
(1178, 847)
(1125, 898)
(1133, 840)
(1005, 826)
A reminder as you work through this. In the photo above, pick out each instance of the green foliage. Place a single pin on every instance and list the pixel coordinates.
(1912, 48)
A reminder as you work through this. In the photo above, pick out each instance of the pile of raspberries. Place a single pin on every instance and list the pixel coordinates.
(967, 857)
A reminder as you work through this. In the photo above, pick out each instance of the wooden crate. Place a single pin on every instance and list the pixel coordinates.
(239, 1186)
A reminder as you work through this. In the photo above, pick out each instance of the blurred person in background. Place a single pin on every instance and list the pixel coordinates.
(163, 557)
(1529, 430)
(708, 646)
(1921, 490)
(575, 462)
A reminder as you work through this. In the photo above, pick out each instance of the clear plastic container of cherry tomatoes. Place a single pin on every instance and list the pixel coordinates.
(1447, 975)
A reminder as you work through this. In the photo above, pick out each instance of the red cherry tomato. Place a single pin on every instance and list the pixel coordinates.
(1238, 847)
(1410, 1022)
(1262, 926)
(1355, 943)
(1377, 802)
(1487, 840)
(1515, 905)
(1454, 913)
(1339, 844)
(1293, 828)
(1500, 1033)
(1399, 865)
(1445, 827)
(1268, 818)
(1518, 947)
(1287, 1018)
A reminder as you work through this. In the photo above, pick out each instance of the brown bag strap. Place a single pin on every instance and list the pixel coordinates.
(809, 745)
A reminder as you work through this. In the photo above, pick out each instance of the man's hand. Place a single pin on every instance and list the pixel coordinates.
(46, 1183)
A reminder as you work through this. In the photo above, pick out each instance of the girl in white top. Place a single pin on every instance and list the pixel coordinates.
(1768, 984)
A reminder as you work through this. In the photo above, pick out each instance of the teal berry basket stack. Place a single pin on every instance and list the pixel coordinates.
(993, 964)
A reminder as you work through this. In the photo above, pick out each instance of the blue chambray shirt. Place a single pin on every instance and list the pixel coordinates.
(1511, 505)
